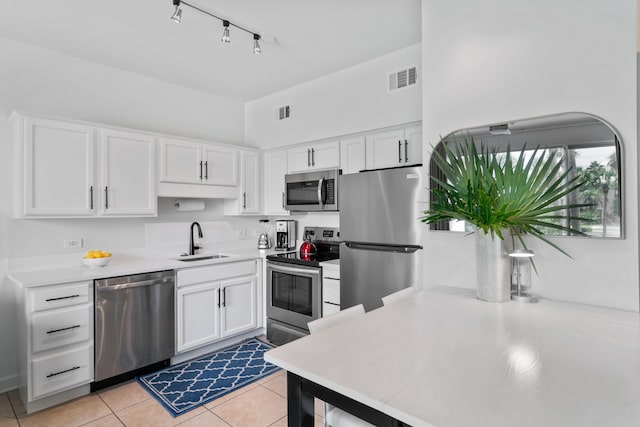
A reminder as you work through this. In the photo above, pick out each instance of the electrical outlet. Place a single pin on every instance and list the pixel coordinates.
(72, 243)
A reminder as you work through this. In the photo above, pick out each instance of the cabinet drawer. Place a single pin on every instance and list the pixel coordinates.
(49, 297)
(61, 327)
(331, 291)
(61, 371)
(216, 272)
(328, 309)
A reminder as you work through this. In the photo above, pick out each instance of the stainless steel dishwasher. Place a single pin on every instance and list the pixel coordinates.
(134, 325)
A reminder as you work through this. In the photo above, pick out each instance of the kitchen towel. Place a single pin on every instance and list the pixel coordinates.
(188, 385)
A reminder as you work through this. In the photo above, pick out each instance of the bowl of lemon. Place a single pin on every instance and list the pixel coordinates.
(96, 259)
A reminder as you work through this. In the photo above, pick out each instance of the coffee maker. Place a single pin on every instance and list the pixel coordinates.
(285, 234)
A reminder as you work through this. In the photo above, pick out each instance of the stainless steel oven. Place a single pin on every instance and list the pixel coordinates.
(312, 191)
(294, 298)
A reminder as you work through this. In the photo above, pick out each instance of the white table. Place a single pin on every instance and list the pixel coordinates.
(444, 358)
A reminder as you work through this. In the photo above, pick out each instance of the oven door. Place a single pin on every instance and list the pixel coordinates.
(294, 293)
(312, 191)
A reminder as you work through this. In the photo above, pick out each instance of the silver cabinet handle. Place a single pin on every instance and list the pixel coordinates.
(106, 197)
(406, 151)
(218, 297)
(399, 151)
(206, 170)
(63, 372)
(224, 297)
(308, 157)
(53, 331)
(59, 298)
(91, 197)
(244, 200)
(200, 169)
(283, 204)
(313, 157)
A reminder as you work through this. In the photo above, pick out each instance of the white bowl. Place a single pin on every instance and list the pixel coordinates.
(96, 262)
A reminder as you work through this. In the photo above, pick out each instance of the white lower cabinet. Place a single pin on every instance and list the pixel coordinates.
(238, 312)
(198, 315)
(55, 347)
(330, 287)
(215, 302)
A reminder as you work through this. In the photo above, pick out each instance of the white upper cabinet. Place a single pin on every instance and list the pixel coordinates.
(399, 147)
(180, 161)
(324, 155)
(220, 165)
(352, 154)
(190, 162)
(275, 168)
(60, 172)
(247, 199)
(127, 164)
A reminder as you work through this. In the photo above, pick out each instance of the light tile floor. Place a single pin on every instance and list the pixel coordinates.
(261, 404)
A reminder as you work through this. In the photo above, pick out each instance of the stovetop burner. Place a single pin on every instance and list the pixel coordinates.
(327, 241)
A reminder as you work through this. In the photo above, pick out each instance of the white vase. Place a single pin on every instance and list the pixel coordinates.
(492, 269)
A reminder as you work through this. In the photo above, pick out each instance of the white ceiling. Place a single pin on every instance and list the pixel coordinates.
(302, 39)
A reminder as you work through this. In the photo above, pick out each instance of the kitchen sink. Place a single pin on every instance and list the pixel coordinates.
(201, 257)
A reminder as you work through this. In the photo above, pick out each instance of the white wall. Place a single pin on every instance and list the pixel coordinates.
(40, 81)
(348, 101)
(494, 60)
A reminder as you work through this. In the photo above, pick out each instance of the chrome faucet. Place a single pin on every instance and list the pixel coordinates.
(193, 247)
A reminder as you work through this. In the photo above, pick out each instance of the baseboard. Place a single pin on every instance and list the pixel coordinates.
(8, 383)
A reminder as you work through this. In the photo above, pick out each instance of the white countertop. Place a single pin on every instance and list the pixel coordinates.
(444, 358)
(124, 263)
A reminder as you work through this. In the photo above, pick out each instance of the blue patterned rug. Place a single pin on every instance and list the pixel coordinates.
(183, 387)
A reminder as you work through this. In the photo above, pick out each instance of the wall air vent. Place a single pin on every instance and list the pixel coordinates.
(283, 112)
(403, 78)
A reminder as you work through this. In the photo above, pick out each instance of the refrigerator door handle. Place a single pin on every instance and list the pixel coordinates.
(382, 248)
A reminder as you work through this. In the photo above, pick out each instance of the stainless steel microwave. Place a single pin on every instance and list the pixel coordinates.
(312, 191)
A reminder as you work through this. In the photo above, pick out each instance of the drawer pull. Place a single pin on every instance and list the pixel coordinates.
(53, 331)
(59, 298)
(63, 372)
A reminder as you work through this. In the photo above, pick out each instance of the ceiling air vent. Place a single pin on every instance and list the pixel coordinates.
(283, 112)
(403, 78)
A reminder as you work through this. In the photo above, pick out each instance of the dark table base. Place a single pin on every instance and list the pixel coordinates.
(301, 392)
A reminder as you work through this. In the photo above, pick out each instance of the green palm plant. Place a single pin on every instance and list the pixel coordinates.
(496, 194)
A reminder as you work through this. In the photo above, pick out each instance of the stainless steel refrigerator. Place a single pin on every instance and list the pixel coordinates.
(380, 231)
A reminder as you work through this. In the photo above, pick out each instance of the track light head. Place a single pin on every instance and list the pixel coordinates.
(177, 15)
(225, 33)
(256, 44)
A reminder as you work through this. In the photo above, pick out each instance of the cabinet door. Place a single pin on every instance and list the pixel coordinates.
(325, 155)
(299, 159)
(250, 197)
(58, 168)
(220, 165)
(197, 316)
(352, 155)
(238, 305)
(413, 138)
(275, 168)
(181, 161)
(385, 149)
(127, 162)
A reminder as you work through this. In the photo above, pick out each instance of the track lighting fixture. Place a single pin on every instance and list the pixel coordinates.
(177, 17)
(177, 14)
(256, 44)
(225, 32)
